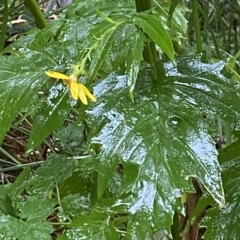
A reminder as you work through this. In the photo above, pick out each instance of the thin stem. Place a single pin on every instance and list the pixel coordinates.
(142, 5)
(9, 155)
(228, 133)
(4, 26)
(219, 22)
(13, 168)
(196, 23)
(37, 13)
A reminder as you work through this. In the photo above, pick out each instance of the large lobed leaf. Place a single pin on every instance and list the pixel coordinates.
(161, 140)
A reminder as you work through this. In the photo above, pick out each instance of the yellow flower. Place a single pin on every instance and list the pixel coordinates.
(78, 90)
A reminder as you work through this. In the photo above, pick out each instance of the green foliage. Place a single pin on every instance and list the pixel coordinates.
(124, 163)
(229, 216)
(13, 227)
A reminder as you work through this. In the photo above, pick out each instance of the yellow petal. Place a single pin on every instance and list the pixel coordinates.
(86, 91)
(74, 89)
(57, 75)
(81, 94)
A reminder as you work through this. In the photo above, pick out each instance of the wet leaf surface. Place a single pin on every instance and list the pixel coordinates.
(224, 223)
(162, 136)
(50, 117)
(13, 227)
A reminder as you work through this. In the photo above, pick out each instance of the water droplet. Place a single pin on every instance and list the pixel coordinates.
(174, 121)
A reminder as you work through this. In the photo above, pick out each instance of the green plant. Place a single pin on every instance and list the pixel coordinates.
(146, 137)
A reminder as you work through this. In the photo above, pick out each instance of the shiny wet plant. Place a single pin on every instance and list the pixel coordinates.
(138, 161)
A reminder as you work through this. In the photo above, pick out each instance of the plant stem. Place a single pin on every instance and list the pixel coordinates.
(196, 23)
(175, 226)
(4, 26)
(9, 155)
(228, 133)
(37, 13)
(149, 52)
(142, 5)
(13, 168)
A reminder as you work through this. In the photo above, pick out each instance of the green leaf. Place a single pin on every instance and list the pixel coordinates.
(231, 151)
(89, 222)
(100, 54)
(86, 10)
(162, 135)
(37, 209)
(70, 138)
(133, 60)
(111, 233)
(62, 237)
(153, 27)
(75, 204)
(73, 184)
(96, 225)
(203, 85)
(20, 184)
(172, 8)
(224, 223)
(103, 171)
(50, 117)
(174, 17)
(6, 203)
(14, 228)
(52, 172)
(130, 177)
(22, 77)
(18, 77)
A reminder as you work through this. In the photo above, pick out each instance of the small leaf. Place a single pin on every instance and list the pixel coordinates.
(173, 5)
(96, 225)
(232, 151)
(6, 203)
(70, 138)
(37, 209)
(20, 184)
(153, 27)
(52, 172)
(63, 237)
(100, 54)
(90, 222)
(13, 228)
(135, 56)
(105, 17)
(72, 205)
(74, 184)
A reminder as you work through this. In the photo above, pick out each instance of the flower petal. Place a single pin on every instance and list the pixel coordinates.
(57, 75)
(86, 91)
(74, 89)
(81, 94)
